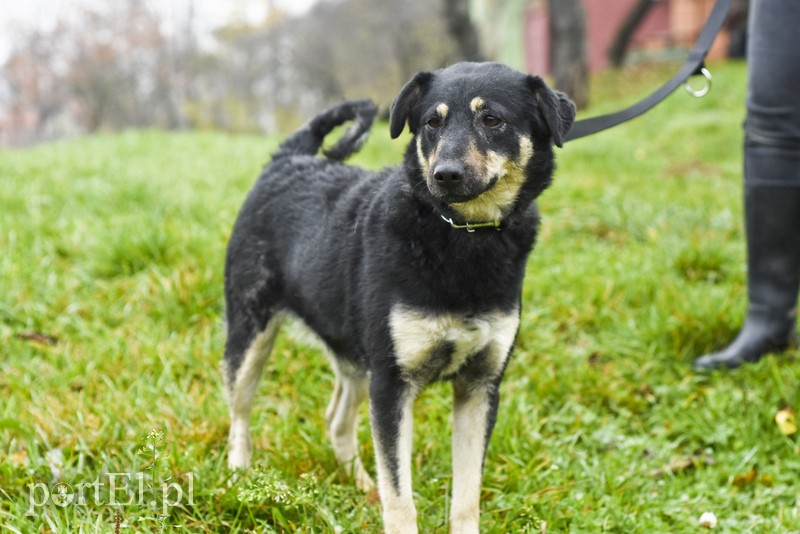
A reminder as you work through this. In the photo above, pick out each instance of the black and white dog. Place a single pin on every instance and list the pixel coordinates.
(409, 275)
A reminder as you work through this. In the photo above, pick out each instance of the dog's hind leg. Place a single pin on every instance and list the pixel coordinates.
(350, 390)
(242, 383)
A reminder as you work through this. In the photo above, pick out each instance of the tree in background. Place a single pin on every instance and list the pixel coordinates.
(108, 67)
(463, 32)
(100, 68)
(736, 24)
(635, 17)
(272, 75)
(568, 56)
(34, 90)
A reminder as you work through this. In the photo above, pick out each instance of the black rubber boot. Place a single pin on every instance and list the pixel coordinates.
(772, 222)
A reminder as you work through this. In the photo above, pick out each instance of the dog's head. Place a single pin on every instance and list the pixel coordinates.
(480, 132)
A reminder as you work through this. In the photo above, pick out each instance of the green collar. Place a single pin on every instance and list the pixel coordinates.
(471, 227)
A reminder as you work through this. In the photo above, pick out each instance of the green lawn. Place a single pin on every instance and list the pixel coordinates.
(111, 255)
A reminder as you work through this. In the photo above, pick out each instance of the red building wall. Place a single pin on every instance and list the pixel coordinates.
(603, 18)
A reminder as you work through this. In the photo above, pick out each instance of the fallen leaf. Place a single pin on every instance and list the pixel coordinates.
(646, 391)
(37, 337)
(787, 423)
(741, 481)
(20, 458)
(682, 463)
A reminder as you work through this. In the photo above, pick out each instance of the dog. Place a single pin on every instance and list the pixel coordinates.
(408, 275)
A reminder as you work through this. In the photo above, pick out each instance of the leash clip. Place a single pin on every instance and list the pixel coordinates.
(702, 91)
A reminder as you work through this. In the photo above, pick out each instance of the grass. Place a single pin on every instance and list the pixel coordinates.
(111, 328)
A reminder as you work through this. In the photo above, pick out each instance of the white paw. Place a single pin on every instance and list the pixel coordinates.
(364, 482)
(238, 456)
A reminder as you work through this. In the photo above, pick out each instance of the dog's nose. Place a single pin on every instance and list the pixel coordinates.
(448, 174)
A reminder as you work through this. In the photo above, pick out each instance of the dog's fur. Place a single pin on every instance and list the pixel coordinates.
(400, 297)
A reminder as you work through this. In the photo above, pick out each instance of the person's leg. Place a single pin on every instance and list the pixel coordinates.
(771, 186)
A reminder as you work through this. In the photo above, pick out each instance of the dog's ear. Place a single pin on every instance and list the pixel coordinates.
(405, 100)
(556, 108)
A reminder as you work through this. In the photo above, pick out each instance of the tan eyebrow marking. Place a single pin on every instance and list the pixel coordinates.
(476, 104)
(442, 110)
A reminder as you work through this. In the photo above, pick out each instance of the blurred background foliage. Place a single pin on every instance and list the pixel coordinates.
(114, 65)
(106, 66)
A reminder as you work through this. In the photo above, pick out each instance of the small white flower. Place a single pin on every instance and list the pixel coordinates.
(708, 520)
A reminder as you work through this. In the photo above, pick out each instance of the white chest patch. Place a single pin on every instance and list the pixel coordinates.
(418, 335)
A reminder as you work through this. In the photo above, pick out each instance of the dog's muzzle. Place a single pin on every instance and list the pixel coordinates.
(452, 181)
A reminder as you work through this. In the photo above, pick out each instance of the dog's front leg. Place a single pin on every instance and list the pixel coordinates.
(392, 419)
(474, 414)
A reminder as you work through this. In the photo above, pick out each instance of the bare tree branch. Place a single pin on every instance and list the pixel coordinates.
(635, 17)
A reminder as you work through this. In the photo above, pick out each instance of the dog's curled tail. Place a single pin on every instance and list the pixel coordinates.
(308, 139)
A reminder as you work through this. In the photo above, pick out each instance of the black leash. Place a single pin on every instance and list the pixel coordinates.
(692, 66)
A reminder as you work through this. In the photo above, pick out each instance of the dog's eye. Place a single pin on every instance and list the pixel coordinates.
(435, 122)
(491, 121)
